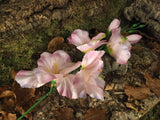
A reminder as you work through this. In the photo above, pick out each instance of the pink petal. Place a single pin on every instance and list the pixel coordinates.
(128, 44)
(70, 68)
(134, 38)
(99, 36)
(114, 24)
(90, 84)
(33, 79)
(79, 83)
(53, 63)
(65, 86)
(91, 56)
(123, 55)
(95, 87)
(92, 45)
(79, 37)
(95, 68)
(116, 36)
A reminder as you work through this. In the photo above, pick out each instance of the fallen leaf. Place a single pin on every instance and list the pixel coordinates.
(129, 105)
(153, 84)
(24, 95)
(55, 44)
(109, 87)
(22, 111)
(155, 66)
(8, 99)
(4, 88)
(95, 114)
(137, 93)
(64, 114)
(25, 98)
(7, 116)
(7, 93)
(13, 74)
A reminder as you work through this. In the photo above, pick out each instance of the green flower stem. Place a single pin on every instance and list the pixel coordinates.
(51, 90)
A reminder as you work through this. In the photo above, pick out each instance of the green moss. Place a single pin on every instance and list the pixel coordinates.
(16, 54)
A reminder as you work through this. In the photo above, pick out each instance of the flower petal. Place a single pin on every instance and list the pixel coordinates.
(53, 63)
(91, 56)
(114, 24)
(33, 79)
(99, 36)
(79, 37)
(65, 86)
(123, 55)
(92, 45)
(70, 68)
(90, 84)
(79, 83)
(134, 38)
(95, 87)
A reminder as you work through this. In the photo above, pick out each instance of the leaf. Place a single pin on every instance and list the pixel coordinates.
(24, 95)
(55, 44)
(8, 99)
(13, 74)
(153, 84)
(155, 66)
(95, 114)
(25, 98)
(7, 116)
(64, 114)
(129, 105)
(137, 93)
(109, 87)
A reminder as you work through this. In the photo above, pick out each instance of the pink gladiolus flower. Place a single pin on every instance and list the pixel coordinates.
(87, 80)
(81, 39)
(51, 66)
(119, 47)
(114, 24)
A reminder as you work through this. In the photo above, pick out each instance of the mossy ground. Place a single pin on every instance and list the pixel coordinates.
(17, 53)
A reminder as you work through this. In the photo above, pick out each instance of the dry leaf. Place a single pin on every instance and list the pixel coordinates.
(95, 114)
(7, 116)
(55, 44)
(137, 93)
(129, 105)
(109, 87)
(64, 114)
(24, 95)
(25, 99)
(155, 66)
(8, 100)
(4, 88)
(153, 84)
(13, 74)
(7, 93)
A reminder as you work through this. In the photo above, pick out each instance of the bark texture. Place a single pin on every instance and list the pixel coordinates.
(148, 12)
(23, 15)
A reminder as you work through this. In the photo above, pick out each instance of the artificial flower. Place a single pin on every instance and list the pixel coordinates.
(119, 46)
(55, 66)
(81, 39)
(87, 80)
(114, 24)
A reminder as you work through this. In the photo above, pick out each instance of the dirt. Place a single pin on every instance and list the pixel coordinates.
(117, 104)
(121, 99)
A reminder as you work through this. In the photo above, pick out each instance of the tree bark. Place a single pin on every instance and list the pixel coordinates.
(23, 15)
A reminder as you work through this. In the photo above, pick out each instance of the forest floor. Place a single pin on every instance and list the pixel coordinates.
(131, 90)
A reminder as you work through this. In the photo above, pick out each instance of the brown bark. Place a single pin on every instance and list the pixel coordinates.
(22, 15)
(147, 12)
